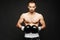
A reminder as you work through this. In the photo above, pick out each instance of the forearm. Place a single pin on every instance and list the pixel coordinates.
(18, 25)
(43, 26)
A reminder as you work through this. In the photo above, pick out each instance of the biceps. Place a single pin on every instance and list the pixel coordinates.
(20, 20)
(42, 21)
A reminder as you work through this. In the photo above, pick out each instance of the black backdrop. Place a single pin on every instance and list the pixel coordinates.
(11, 11)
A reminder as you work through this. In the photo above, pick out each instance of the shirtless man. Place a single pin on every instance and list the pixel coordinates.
(31, 18)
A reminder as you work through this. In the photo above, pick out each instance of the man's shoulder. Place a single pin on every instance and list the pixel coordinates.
(39, 14)
(23, 14)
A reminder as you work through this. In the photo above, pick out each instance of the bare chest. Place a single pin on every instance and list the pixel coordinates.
(31, 19)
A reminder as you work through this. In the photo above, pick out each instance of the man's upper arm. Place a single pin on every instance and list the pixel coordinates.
(42, 21)
(21, 18)
(20, 21)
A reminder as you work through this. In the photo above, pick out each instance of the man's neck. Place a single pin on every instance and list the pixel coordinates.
(31, 13)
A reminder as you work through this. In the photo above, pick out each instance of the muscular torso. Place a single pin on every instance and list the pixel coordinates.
(31, 19)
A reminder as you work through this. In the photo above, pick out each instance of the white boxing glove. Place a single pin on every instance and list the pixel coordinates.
(22, 28)
(39, 28)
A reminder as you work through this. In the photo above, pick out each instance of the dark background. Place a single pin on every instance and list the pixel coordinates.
(10, 12)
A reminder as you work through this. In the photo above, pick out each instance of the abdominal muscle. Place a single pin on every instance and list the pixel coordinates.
(31, 24)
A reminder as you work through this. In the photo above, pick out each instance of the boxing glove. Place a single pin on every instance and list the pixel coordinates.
(34, 29)
(27, 29)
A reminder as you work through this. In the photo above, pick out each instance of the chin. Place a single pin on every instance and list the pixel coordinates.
(31, 11)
